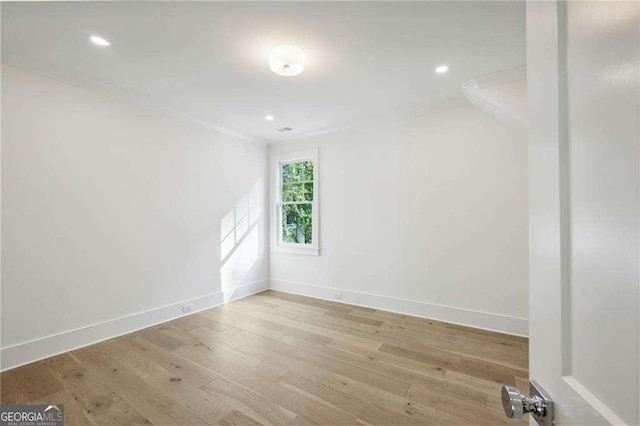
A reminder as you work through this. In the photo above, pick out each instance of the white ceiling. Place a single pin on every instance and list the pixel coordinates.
(208, 61)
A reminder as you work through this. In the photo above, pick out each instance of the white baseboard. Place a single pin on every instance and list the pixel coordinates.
(245, 290)
(35, 350)
(483, 320)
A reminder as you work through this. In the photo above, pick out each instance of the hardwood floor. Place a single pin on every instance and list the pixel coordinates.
(277, 358)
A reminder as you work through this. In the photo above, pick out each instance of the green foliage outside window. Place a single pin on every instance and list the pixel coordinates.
(297, 198)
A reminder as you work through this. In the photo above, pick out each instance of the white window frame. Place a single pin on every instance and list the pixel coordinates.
(278, 245)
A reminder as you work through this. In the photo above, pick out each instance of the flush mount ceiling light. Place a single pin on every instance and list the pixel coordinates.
(269, 117)
(286, 60)
(441, 69)
(99, 41)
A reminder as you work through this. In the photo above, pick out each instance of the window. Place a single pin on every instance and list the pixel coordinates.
(297, 203)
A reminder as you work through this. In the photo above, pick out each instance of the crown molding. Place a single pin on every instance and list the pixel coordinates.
(377, 118)
(92, 85)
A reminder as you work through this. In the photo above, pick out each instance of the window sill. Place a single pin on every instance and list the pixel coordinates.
(306, 251)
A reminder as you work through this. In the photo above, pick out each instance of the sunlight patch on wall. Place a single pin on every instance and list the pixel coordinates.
(240, 238)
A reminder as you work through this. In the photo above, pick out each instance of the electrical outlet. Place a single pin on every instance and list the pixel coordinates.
(337, 296)
(187, 308)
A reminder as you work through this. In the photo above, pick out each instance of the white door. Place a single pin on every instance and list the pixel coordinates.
(583, 71)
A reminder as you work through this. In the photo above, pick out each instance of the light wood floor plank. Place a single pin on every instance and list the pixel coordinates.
(10, 392)
(170, 383)
(237, 418)
(326, 363)
(282, 359)
(439, 337)
(251, 403)
(193, 373)
(97, 403)
(152, 404)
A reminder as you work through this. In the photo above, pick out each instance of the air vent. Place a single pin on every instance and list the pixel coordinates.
(285, 129)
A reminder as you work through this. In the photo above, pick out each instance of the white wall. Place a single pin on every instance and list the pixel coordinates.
(113, 212)
(114, 215)
(425, 215)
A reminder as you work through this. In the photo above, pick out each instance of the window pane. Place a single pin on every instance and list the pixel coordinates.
(293, 192)
(302, 171)
(298, 171)
(296, 223)
(298, 192)
(287, 191)
(308, 170)
(287, 172)
(308, 191)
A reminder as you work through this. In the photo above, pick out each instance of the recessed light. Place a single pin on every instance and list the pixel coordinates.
(269, 117)
(99, 41)
(286, 60)
(441, 69)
